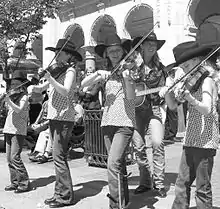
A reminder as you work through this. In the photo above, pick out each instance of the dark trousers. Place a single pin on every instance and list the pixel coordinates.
(196, 163)
(117, 140)
(60, 132)
(171, 124)
(18, 173)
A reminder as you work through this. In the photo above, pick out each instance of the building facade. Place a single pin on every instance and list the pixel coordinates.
(87, 22)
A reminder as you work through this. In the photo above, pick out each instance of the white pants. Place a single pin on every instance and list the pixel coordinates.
(44, 143)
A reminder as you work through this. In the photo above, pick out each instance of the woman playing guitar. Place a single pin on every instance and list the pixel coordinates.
(149, 113)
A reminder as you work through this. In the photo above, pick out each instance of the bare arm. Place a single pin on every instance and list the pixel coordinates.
(205, 106)
(129, 85)
(17, 108)
(70, 79)
(39, 88)
(94, 78)
(169, 95)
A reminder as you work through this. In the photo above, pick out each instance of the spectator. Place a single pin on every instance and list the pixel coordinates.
(41, 124)
(91, 97)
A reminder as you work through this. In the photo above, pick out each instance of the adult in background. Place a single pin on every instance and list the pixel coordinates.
(91, 97)
(149, 117)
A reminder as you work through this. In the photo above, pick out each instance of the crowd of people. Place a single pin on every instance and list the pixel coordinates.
(47, 122)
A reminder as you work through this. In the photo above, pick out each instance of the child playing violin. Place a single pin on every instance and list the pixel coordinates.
(61, 116)
(202, 132)
(15, 130)
(118, 119)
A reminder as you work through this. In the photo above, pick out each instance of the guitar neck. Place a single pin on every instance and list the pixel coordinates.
(148, 91)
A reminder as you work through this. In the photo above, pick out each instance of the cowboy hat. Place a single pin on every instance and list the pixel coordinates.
(112, 40)
(18, 78)
(66, 46)
(151, 37)
(188, 50)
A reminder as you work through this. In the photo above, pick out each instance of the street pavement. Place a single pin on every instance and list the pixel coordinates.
(90, 183)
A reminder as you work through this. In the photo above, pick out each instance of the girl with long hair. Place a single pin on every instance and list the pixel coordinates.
(149, 117)
(118, 119)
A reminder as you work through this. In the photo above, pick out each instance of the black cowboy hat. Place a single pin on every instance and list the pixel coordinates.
(188, 50)
(151, 37)
(112, 40)
(18, 78)
(69, 47)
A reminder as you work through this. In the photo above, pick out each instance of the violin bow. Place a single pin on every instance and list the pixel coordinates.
(26, 82)
(195, 67)
(131, 52)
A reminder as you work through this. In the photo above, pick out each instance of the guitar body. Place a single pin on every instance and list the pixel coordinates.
(139, 100)
(141, 91)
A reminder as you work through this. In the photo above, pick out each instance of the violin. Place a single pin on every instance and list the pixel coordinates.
(55, 70)
(14, 94)
(192, 81)
(134, 64)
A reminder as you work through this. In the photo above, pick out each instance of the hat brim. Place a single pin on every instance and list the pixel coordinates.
(202, 50)
(14, 83)
(125, 44)
(76, 54)
(160, 43)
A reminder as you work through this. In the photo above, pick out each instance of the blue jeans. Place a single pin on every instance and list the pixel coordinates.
(143, 119)
(117, 140)
(60, 134)
(18, 173)
(196, 163)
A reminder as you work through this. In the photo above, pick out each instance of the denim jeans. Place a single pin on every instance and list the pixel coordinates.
(117, 140)
(18, 173)
(143, 119)
(60, 132)
(196, 163)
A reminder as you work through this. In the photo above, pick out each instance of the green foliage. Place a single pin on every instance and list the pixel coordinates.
(21, 20)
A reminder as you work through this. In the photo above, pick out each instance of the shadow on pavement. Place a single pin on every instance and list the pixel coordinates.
(89, 189)
(170, 179)
(72, 155)
(214, 207)
(41, 182)
(148, 199)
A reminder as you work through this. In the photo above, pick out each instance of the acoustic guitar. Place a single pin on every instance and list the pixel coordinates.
(141, 91)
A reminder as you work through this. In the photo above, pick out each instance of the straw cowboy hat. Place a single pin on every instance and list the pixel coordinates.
(69, 47)
(151, 37)
(112, 40)
(188, 50)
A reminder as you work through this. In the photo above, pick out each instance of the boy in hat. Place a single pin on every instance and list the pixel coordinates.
(61, 116)
(15, 130)
(202, 130)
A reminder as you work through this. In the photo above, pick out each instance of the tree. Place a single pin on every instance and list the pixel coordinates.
(21, 21)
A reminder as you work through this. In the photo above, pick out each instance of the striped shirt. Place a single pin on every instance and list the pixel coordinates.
(62, 107)
(202, 131)
(118, 110)
(16, 123)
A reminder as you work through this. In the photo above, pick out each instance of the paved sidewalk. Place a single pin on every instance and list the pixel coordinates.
(90, 184)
